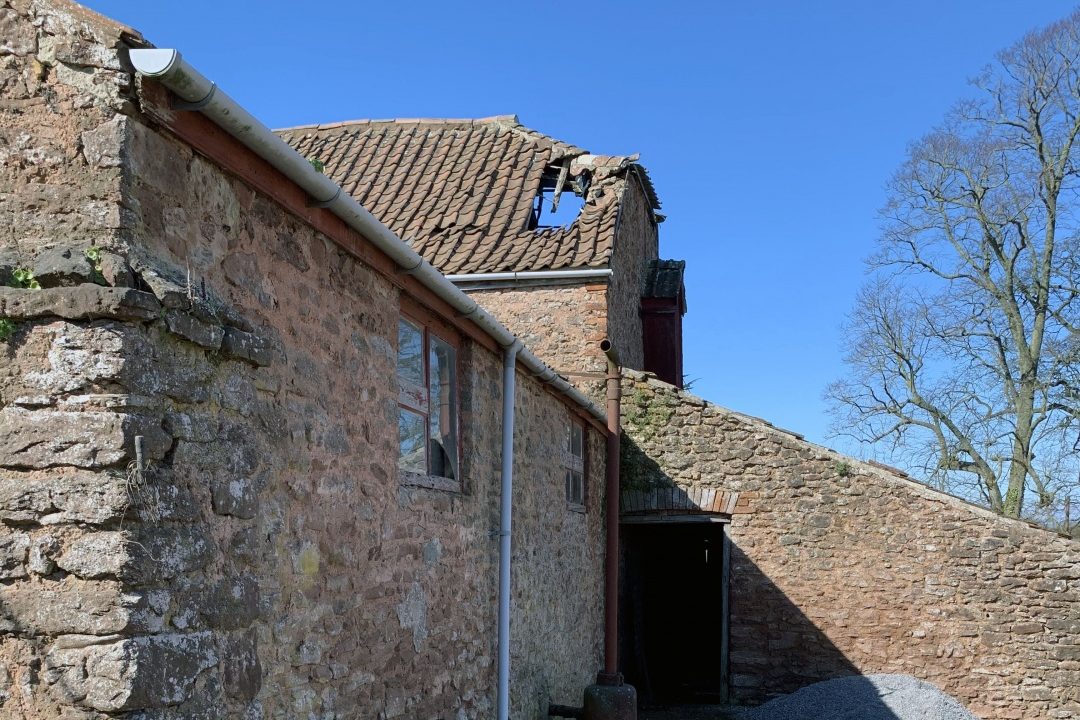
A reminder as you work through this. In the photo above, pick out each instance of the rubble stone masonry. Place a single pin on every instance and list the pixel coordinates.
(636, 247)
(562, 325)
(200, 510)
(839, 567)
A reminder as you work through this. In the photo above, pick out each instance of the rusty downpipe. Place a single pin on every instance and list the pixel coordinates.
(610, 698)
(610, 676)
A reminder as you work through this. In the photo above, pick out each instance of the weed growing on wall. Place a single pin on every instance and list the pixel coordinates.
(93, 256)
(24, 279)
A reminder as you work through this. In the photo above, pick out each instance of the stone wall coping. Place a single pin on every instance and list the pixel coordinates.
(891, 475)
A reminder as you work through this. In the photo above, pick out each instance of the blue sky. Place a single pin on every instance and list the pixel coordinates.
(768, 127)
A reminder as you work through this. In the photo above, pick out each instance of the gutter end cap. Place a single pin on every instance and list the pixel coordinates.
(154, 62)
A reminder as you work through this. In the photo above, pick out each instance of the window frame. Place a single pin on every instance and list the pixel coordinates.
(430, 328)
(575, 464)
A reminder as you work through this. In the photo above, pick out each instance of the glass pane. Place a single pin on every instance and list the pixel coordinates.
(442, 436)
(411, 442)
(568, 444)
(575, 487)
(576, 432)
(410, 366)
(410, 357)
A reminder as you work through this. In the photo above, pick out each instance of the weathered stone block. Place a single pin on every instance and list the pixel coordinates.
(115, 270)
(46, 438)
(143, 672)
(187, 326)
(61, 495)
(82, 302)
(69, 605)
(43, 554)
(96, 555)
(14, 548)
(103, 146)
(62, 267)
(235, 495)
(246, 346)
(242, 671)
(17, 36)
(165, 552)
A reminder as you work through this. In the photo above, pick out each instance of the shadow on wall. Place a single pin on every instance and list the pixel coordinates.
(672, 629)
(672, 613)
(774, 647)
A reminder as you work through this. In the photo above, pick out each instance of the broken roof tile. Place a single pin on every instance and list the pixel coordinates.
(462, 192)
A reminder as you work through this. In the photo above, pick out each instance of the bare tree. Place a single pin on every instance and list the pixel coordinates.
(964, 349)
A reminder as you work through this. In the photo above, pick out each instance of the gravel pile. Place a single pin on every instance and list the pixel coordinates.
(863, 697)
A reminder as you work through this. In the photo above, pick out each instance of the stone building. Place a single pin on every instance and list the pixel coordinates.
(249, 464)
(475, 198)
(248, 455)
(753, 562)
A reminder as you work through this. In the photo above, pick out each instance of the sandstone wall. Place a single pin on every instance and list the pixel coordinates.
(200, 509)
(61, 88)
(840, 567)
(372, 595)
(562, 325)
(636, 246)
(67, 416)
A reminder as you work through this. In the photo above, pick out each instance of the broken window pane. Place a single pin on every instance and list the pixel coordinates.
(410, 366)
(411, 434)
(443, 408)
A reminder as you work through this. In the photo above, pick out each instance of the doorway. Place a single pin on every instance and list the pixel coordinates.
(675, 621)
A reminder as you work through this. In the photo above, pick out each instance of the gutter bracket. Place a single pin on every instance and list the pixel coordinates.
(472, 311)
(413, 269)
(325, 203)
(184, 105)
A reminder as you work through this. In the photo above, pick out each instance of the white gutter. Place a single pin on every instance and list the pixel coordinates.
(199, 93)
(574, 274)
(505, 523)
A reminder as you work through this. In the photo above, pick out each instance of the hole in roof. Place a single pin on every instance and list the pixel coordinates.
(559, 199)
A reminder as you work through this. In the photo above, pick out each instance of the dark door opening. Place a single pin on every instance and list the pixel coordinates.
(675, 612)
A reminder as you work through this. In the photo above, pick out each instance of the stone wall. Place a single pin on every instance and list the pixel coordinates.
(562, 325)
(372, 595)
(67, 417)
(841, 567)
(636, 246)
(200, 509)
(61, 89)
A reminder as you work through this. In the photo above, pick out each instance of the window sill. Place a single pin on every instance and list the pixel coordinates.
(431, 482)
(574, 507)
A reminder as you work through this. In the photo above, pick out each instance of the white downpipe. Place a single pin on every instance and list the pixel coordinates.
(170, 69)
(572, 274)
(506, 491)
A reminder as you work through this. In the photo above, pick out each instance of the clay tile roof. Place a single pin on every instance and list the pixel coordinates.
(462, 191)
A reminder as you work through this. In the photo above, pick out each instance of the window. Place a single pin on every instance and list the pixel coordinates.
(427, 405)
(574, 463)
